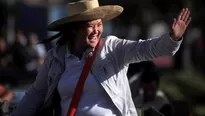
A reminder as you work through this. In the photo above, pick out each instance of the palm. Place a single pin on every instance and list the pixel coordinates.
(180, 24)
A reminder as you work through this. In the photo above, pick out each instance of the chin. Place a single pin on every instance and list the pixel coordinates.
(92, 45)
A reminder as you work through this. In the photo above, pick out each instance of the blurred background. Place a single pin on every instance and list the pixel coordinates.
(178, 81)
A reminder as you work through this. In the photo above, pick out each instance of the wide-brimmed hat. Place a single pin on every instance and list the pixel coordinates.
(86, 10)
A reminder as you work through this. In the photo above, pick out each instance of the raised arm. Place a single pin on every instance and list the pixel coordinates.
(142, 50)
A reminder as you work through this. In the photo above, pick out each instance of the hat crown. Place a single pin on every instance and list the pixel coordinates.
(75, 8)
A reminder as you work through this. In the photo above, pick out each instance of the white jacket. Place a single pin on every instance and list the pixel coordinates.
(110, 68)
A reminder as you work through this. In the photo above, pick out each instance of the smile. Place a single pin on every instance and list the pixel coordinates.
(92, 39)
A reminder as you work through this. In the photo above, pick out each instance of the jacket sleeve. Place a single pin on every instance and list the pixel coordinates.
(35, 96)
(135, 51)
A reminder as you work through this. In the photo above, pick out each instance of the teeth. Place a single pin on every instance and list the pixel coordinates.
(92, 37)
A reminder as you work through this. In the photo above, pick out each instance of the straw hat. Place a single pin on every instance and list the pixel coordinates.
(86, 10)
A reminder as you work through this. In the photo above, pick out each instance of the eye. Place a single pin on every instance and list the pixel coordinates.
(90, 26)
(100, 24)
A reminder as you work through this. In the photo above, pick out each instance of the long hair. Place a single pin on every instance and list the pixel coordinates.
(66, 33)
(66, 36)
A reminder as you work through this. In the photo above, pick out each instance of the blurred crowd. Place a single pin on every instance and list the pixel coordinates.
(20, 60)
(148, 97)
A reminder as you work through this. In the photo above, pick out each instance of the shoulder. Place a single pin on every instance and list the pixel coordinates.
(50, 55)
(111, 40)
(56, 51)
(51, 52)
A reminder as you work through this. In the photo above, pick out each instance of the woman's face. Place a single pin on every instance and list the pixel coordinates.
(89, 33)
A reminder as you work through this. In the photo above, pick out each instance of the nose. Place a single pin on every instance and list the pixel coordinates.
(95, 30)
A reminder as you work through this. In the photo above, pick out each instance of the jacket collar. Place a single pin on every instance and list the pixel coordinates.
(59, 53)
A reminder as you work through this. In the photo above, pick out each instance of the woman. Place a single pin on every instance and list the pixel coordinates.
(106, 91)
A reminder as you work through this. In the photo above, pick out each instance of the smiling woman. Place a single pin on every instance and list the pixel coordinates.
(80, 35)
(88, 35)
(105, 89)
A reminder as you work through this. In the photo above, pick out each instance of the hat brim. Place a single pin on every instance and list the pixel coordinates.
(105, 13)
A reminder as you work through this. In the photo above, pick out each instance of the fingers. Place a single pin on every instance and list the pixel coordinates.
(186, 15)
(188, 21)
(174, 23)
(180, 14)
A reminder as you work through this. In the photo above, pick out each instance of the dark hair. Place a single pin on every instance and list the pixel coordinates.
(66, 33)
(65, 38)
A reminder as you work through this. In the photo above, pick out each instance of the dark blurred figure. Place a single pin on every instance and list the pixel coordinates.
(181, 108)
(5, 56)
(3, 46)
(20, 56)
(6, 97)
(6, 64)
(133, 74)
(3, 17)
(150, 95)
(36, 54)
(32, 63)
(198, 55)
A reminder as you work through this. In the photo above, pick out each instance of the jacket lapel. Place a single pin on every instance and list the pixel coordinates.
(59, 56)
